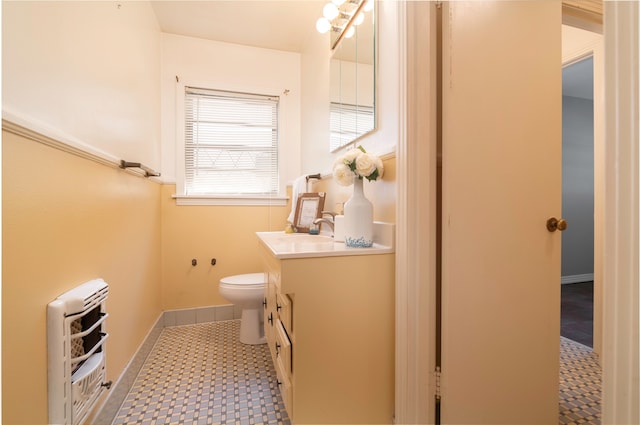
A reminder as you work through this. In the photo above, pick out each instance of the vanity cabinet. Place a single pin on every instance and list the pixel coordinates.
(329, 323)
(278, 330)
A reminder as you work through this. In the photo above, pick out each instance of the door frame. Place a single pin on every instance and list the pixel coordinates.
(416, 158)
(415, 281)
(621, 309)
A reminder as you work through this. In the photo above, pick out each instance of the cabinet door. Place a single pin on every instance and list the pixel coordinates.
(270, 317)
(283, 348)
(286, 388)
(284, 307)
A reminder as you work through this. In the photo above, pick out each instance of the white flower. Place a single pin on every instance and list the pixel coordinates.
(357, 163)
(351, 155)
(339, 162)
(365, 165)
(343, 174)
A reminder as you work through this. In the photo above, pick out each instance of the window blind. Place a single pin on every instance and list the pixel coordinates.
(348, 122)
(231, 143)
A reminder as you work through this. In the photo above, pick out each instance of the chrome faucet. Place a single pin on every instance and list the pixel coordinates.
(326, 220)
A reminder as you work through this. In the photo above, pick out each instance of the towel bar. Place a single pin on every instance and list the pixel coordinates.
(148, 172)
(317, 176)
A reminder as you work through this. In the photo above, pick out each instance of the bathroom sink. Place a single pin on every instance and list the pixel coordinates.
(303, 245)
(304, 238)
(297, 242)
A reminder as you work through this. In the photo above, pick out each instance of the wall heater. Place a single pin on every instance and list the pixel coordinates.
(76, 338)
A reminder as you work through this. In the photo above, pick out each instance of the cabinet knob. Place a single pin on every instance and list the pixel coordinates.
(278, 307)
(264, 302)
(270, 318)
(277, 349)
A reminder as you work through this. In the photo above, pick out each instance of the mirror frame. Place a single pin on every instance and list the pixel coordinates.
(350, 23)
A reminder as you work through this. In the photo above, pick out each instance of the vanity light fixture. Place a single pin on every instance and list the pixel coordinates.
(341, 16)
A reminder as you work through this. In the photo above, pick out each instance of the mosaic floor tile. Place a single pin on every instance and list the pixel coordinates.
(580, 384)
(202, 374)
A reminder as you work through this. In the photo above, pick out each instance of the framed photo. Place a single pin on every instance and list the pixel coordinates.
(308, 208)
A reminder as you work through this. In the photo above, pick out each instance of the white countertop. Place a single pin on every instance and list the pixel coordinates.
(303, 245)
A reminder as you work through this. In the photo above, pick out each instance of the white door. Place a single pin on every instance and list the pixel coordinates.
(501, 182)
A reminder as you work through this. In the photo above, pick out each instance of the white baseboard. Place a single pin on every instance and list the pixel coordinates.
(576, 278)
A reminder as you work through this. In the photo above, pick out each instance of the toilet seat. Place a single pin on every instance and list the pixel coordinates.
(245, 281)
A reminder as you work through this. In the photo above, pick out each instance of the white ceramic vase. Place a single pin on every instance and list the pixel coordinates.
(358, 218)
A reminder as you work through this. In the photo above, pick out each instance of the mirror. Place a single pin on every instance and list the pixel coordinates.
(352, 83)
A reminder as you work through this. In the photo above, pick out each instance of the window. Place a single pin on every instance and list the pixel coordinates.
(231, 143)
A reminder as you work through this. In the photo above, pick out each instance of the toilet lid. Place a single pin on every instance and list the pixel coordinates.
(244, 279)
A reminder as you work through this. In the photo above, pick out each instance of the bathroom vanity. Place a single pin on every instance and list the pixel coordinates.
(329, 323)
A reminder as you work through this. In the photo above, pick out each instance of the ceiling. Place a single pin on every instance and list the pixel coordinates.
(286, 25)
(271, 24)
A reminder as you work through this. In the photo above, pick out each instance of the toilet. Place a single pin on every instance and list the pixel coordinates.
(247, 292)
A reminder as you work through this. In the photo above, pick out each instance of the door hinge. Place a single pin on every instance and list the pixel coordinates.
(438, 376)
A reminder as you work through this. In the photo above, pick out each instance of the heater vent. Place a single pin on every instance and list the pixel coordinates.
(76, 337)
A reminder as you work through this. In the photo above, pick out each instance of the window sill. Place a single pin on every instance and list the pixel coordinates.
(230, 200)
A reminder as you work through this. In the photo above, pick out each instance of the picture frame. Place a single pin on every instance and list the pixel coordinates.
(308, 208)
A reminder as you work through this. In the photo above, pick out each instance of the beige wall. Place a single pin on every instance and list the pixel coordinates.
(67, 220)
(226, 233)
(88, 71)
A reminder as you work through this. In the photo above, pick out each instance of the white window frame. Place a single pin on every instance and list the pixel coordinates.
(214, 199)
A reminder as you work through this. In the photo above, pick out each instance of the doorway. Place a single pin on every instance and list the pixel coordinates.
(582, 205)
(577, 201)
(583, 184)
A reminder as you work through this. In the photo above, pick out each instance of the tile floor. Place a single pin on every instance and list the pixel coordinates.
(580, 384)
(580, 373)
(202, 374)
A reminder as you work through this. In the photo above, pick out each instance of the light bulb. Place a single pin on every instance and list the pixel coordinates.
(359, 19)
(350, 32)
(349, 7)
(330, 11)
(323, 25)
(368, 6)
